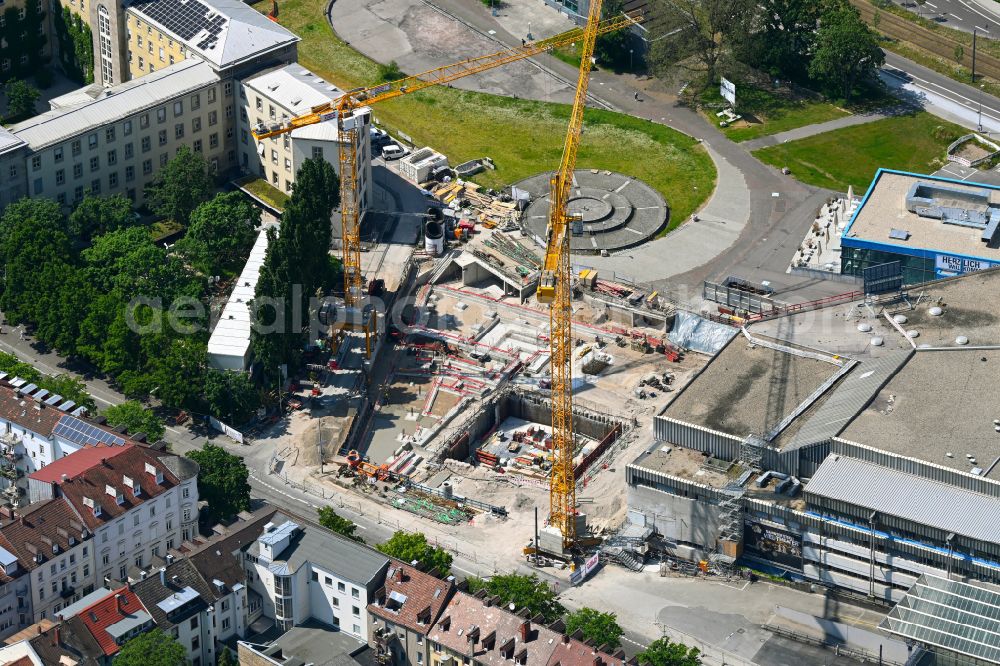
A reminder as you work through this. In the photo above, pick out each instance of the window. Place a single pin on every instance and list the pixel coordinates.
(225, 624)
(213, 118)
(213, 140)
(113, 179)
(228, 87)
(328, 581)
(75, 147)
(128, 151)
(170, 544)
(41, 593)
(129, 174)
(286, 141)
(243, 136)
(185, 492)
(260, 104)
(170, 523)
(270, 111)
(95, 164)
(138, 40)
(78, 193)
(121, 572)
(354, 593)
(336, 602)
(60, 177)
(144, 121)
(171, 58)
(356, 629)
(274, 156)
(163, 159)
(146, 143)
(178, 108)
(107, 50)
(161, 115)
(194, 622)
(86, 570)
(112, 157)
(61, 198)
(229, 110)
(288, 164)
(162, 58)
(36, 162)
(109, 134)
(77, 171)
(147, 167)
(211, 95)
(163, 137)
(58, 154)
(13, 171)
(355, 611)
(317, 152)
(196, 124)
(92, 140)
(138, 560)
(195, 102)
(179, 131)
(127, 128)
(187, 514)
(315, 576)
(274, 178)
(341, 587)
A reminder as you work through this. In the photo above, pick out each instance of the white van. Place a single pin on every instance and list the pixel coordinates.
(393, 151)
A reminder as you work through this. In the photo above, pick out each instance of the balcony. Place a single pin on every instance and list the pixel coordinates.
(67, 592)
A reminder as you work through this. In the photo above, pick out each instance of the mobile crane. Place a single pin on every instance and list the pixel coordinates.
(555, 289)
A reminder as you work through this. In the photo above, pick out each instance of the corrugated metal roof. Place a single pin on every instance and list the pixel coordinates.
(231, 336)
(907, 496)
(116, 103)
(854, 392)
(954, 615)
(294, 87)
(9, 141)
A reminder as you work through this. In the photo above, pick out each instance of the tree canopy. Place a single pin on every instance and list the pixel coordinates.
(329, 519)
(220, 233)
(21, 98)
(136, 418)
(847, 51)
(601, 628)
(707, 29)
(662, 652)
(223, 482)
(524, 592)
(231, 396)
(152, 648)
(180, 186)
(95, 216)
(410, 546)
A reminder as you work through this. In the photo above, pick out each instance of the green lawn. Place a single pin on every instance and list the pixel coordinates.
(523, 137)
(850, 156)
(789, 117)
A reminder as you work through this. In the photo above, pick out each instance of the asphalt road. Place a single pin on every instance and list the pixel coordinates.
(959, 14)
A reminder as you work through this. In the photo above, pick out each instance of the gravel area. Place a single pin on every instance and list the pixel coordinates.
(940, 402)
(749, 390)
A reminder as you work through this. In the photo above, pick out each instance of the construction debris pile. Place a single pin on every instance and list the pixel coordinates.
(489, 209)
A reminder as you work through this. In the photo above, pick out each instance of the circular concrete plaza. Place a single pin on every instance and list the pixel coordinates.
(616, 211)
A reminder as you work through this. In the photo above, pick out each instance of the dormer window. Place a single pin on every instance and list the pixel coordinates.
(55, 549)
(120, 499)
(159, 478)
(136, 490)
(94, 507)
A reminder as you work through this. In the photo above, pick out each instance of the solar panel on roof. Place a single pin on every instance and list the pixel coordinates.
(81, 432)
(54, 399)
(185, 19)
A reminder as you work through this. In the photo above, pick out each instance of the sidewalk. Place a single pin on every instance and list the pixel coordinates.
(812, 130)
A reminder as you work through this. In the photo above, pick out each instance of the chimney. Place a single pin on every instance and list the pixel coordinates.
(525, 630)
(121, 606)
(565, 638)
(397, 575)
(598, 661)
(39, 628)
(163, 576)
(58, 640)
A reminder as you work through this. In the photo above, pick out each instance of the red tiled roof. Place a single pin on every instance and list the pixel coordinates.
(40, 421)
(106, 612)
(39, 527)
(424, 595)
(76, 463)
(23, 661)
(572, 652)
(92, 482)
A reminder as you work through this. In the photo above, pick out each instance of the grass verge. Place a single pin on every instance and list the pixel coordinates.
(523, 137)
(851, 155)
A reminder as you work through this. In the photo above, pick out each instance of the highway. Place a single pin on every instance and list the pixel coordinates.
(959, 14)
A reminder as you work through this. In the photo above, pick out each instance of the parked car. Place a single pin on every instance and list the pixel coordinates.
(393, 151)
(378, 137)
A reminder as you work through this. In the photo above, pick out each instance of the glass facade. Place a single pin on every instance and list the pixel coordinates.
(853, 261)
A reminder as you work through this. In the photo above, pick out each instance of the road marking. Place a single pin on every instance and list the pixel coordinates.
(930, 4)
(973, 9)
(968, 103)
(957, 18)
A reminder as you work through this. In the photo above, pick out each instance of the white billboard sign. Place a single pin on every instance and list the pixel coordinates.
(728, 91)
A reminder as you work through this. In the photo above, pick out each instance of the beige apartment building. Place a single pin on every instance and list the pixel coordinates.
(114, 142)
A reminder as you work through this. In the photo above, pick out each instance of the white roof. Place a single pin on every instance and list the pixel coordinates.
(223, 32)
(231, 336)
(115, 103)
(294, 87)
(9, 141)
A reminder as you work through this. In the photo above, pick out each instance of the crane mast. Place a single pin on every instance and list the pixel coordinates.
(555, 288)
(350, 109)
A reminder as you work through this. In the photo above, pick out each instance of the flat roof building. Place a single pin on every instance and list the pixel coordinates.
(936, 227)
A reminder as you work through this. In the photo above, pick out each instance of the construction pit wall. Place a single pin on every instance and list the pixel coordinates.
(512, 433)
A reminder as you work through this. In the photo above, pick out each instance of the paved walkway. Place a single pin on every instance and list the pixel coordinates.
(812, 130)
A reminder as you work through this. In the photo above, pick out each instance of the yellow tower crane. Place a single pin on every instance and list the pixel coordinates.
(351, 112)
(556, 289)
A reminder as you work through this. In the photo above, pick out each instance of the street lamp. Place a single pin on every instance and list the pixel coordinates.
(974, 29)
(630, 60)
(980, 123)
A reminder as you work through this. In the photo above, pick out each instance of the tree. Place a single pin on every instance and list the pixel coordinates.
(180, 186)
(782, 37)
(601, 628)
(226, 657)
(959, 53)
(662, 652)
(390, 72)
(129, 261)
(95, 216)
(176, 366)
(524, 592)
(152, 648)
(222, 482)
(707, 27)
(614, 48)
(231, 396)
(329, 519)
(847, 51)
(136, 419)
(410, 546)
(21, 98)
(221, 233)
